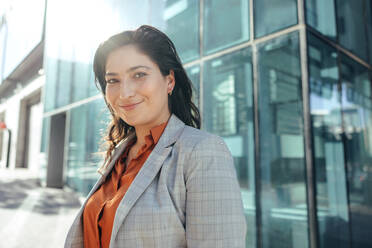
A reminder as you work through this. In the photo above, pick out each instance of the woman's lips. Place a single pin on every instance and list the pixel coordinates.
(129, 107)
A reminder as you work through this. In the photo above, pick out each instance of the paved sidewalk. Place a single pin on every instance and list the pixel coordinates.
(31, 215)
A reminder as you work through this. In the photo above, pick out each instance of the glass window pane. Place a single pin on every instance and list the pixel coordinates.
(351, 26)
(321, 15)
(69, 51)
(43, 157)
(225, 28)
(49, 90)
(228, 112)
(64, 82)
(179, 19)
(82, 81)
(194, 74)
(369, 28)
(357, 119)
(325, 107)
(272, 15)
(82, 162)
(282, 158)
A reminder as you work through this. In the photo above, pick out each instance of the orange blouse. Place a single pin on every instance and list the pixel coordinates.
(99, 212)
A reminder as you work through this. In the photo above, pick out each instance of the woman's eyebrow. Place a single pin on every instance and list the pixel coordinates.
(129, 70)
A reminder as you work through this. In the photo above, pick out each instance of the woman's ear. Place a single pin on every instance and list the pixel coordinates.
(171, 81)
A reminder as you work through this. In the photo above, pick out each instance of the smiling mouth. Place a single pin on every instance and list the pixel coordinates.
(129, 107)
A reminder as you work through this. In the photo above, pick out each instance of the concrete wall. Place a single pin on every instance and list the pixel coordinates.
(14, 114)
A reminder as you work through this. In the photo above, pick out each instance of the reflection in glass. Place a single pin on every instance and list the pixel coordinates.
(82, 162)
(272, 15)
(225, 28)
(194, 74)
(325, 107)
(321, 15)
(64, 82)
(82, 81)
(357, 119)
(369, 27)
(71, 43)
(43, 156)
(179, 19)
(51, 67)
(282, 159)
(228, 112)
(351, 26)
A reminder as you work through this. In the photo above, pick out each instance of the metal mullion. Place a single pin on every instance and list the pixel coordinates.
(244, 45)
(338, 47)
(71, 105)
(257, 179)
(259, 243)
(309, 153)
(251, 21)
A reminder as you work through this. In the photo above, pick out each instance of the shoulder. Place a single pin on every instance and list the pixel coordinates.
(199, 140)
(204, 151)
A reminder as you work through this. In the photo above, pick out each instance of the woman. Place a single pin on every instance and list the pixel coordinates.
(165, 183)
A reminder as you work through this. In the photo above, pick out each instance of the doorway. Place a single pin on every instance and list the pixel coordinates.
(56, 151)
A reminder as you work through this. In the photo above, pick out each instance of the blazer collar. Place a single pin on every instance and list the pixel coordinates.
(148, 171)
(168, 137)
(143, 179)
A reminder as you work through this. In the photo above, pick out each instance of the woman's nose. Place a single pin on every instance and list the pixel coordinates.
(127, 89)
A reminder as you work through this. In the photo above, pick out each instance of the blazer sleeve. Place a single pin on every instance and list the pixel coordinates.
(214, 208)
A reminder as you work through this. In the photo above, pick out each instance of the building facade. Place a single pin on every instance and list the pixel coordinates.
(287, 84)
(21, 83)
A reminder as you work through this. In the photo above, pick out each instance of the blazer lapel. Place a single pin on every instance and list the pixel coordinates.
(148, 171)
(75, 234)
(117, 152)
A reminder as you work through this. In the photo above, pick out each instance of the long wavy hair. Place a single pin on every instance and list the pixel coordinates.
(161, 50)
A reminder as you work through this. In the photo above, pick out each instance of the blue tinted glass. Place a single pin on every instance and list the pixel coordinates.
(321, 15)
(369, 28)
(194, 74)
(228, 112)
(225, 28)
(326, 116)
(180, 21)
(71, 43)
(272, 15)
(352, 27)
(43, 150)
(82, 81)
(51, 73)
(87, 123)
(282, 158)
(357, 120)
(64, 82)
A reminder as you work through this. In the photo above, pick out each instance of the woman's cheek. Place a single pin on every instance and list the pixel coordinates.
(111, 95)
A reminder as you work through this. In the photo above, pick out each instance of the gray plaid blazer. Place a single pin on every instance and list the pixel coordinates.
(185, 195)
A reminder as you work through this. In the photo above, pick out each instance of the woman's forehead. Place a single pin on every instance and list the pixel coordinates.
(126, 58)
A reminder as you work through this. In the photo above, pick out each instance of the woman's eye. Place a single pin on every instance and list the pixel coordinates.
(139, 74)
(111, 81)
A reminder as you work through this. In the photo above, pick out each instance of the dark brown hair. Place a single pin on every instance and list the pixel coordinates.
(161, 50)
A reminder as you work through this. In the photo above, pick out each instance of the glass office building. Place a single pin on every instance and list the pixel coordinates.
(287, 84)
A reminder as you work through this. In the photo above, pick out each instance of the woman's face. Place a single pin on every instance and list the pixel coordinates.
(136, 90)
